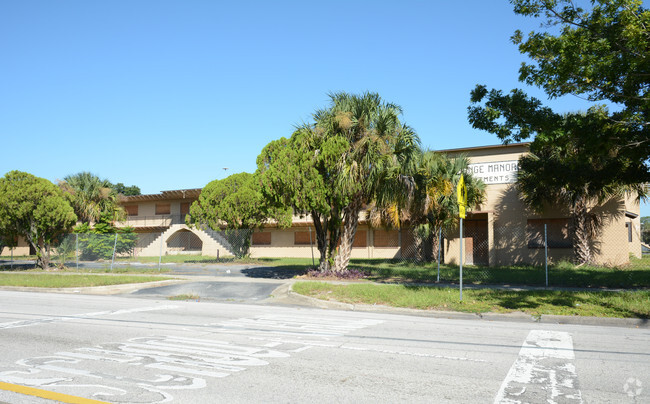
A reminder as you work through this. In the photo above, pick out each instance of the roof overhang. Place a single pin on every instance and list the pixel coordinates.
(164, 195)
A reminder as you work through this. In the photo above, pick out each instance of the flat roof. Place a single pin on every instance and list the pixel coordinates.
(495, 146)
(172, 194)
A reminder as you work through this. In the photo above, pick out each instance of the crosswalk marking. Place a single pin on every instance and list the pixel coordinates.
(46, 320)
(543, 372)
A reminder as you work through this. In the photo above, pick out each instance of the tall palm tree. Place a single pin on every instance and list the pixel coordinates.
(379, 143)
(562, 170)
(430, 202)
(92, 197)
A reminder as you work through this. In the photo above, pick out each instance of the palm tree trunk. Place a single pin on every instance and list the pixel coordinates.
(350, 224)
(581, 239)
(435, 244)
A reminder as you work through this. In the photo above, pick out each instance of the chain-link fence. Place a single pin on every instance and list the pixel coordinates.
(532, 251)
(537, 252)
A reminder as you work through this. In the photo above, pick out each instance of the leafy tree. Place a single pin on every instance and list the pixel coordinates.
(92, 197)
(235, 203)
(378, 144)
(35, 209)
(122, 189)
(98, 241)
(600, 54)
(578, 159)
(302, 173)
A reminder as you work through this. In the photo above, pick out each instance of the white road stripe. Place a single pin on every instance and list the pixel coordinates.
(45, 320)
(543, 372)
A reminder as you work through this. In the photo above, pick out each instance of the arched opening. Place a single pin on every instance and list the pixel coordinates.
(184, 242)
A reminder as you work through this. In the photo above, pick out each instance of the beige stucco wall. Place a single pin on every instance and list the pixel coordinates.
(22, 249)
(507, 219)
(283, 245)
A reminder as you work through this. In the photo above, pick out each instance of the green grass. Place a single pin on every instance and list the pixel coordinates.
(631, 304)
(63, 280)
(636, 274)
(185, 297)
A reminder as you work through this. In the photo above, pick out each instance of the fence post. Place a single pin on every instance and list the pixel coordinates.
(439, 248)
(461, 259)
(160, 254)
(114, 247)
(312, 247)
(546, 254)
(12, 258)
(76, 249)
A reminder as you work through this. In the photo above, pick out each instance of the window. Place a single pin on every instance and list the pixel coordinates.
(261, 238)
(302, 238)
(557, 233)
(163, 208)
(386, 238)
(360, 239)
(131, 210)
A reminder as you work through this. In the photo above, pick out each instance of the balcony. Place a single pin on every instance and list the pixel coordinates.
(157, 221)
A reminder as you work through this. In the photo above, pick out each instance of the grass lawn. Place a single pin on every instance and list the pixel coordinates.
(63, 280)
(634, 275)
(632, 304)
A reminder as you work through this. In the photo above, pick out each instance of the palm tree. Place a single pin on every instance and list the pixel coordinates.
(430, 204)
(562, 170)
(379, 143)
(91, 197)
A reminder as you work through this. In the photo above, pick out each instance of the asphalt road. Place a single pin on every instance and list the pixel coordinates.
(121, 350)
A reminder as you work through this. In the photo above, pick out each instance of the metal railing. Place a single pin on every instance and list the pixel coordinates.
(152, 221)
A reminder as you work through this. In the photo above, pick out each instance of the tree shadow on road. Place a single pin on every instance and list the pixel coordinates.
(281, 272)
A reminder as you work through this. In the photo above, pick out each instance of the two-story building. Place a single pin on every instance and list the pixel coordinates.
(502, 231)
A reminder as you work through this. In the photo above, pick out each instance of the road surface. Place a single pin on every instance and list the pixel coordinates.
(129, 350)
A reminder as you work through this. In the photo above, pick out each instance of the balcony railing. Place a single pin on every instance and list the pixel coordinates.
(152, 221)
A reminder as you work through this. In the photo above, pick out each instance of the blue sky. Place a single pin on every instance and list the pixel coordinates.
(164, 94)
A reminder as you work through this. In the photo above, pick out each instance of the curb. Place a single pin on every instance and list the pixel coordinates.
(96, 290)
(516, 316)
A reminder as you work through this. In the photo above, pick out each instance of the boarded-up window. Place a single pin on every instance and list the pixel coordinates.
(302, 238)
(261, 238)
(629, 231)
(557, 233)
(185, 208)
(360, 239)
(386, 238)
(163, 208)
(131, 210)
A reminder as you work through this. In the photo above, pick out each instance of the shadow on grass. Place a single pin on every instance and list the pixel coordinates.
(17, 267)
(562, 275)
(279, 272)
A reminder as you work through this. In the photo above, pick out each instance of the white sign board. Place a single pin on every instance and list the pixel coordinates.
(497, 172)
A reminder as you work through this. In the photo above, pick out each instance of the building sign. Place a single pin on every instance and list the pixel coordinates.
(498, 172)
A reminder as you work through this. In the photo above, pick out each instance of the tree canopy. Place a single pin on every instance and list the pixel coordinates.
(600, 54)
(91, 197)
(122, 189)
(236, 203)
(302, 173)
(580, 158)
(35, 209)
(559, 170)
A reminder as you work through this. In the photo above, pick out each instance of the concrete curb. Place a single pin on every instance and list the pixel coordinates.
(517, 316)
(97, 290)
